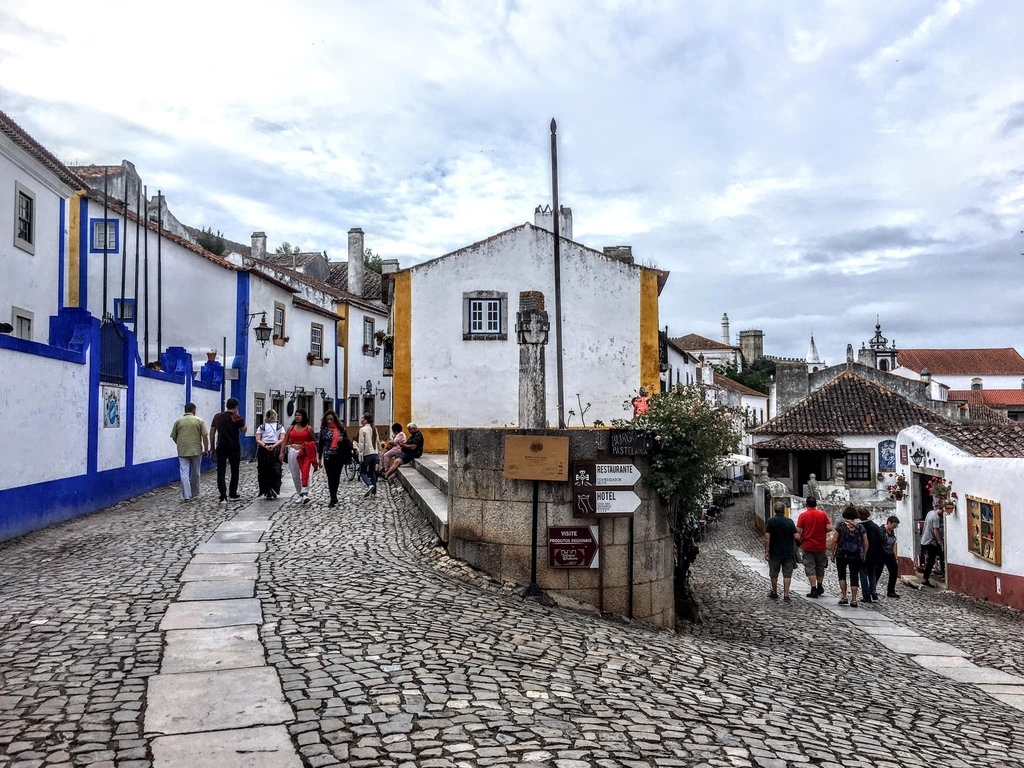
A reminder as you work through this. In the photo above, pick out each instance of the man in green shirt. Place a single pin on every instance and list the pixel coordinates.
(192, 437)
(780, 550)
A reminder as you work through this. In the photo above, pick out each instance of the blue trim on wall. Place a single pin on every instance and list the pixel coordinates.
(200, 384)
(41, 350)
(31, 507)
(83, 254)
(60, 255)
(239, 386)
(93, 427)
(115, 249)
(119, 307)
(132, 367)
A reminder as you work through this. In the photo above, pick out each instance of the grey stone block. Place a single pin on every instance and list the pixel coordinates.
(219, 571)
(207, 650)
(212, 613)
(261, 747)
(225, 589)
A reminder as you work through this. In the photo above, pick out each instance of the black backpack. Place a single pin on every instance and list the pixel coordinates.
(849, 542)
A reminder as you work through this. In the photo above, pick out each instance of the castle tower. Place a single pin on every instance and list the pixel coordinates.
(751, 346)
(725, 330)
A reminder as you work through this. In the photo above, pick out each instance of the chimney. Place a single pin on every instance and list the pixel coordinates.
(725, 330)
(259, 245)
(355, 261)
(566, 222)
(543, 219)
(926, 376)
(623, 253)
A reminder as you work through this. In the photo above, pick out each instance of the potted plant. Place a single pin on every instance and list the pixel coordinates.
(941, 491)
(898, 488)
(310, 358)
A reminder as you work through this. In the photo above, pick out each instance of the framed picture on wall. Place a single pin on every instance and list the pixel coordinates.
(984, 529)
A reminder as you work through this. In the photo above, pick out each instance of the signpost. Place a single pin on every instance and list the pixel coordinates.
(604, 489)
(573, 547)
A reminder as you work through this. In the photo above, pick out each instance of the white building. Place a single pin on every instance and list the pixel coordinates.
(680, 368)
(35, 202)
(959, 369)
(456, 356)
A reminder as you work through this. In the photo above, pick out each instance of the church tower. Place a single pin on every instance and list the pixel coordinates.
(878, 353)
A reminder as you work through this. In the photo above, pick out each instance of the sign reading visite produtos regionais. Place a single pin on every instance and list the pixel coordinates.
(536, 457)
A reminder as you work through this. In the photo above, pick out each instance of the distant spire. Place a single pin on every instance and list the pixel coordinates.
(812, 353)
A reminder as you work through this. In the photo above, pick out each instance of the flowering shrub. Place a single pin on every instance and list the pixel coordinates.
(899, 484)
(941, 489)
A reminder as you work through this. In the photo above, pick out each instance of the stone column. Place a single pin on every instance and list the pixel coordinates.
(532, 334)
(840, 472)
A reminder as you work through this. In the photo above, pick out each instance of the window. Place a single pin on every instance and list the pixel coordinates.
(124, 310)
(858, 467)
(485, 315)
(353, 409)
(104, 234)
(883, 364)
(976, 382)
(22, 319)
(24, 218)
(369, 401)
(368, 340)
(279, 337)
(316, 341)
(259, 401)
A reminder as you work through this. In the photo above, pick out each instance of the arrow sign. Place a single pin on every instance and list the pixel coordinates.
(618, 475)
(573, 547)
(600, 502)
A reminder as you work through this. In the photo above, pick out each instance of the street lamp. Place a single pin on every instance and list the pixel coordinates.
(262, 331)
(918, 456)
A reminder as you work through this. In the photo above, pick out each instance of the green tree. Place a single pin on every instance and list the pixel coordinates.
(373, 262)
(758, 375)
(287, 248)
(692, 435)
(212, 241)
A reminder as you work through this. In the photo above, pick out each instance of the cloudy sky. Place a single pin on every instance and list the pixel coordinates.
(801, 166)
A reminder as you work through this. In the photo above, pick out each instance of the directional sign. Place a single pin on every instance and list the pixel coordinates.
(573, 547)
(603, 502)
(591, 473)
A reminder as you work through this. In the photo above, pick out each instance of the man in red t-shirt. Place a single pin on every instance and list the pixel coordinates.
(812, 529)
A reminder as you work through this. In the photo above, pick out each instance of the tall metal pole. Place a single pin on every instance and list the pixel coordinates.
(159, 273)
(135, 293)
(106, 228)
(124, 246)
(557, 231)
(145, 259)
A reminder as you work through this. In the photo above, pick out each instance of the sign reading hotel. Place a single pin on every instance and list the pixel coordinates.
(604, 489)
(573, 547)
(536, 457)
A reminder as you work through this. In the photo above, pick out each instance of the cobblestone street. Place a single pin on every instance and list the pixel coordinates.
(391, 654)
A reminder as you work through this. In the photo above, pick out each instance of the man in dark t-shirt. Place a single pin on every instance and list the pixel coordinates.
(780, 550)
(225, 436)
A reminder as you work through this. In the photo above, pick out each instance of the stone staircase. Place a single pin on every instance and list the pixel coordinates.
(427, 483)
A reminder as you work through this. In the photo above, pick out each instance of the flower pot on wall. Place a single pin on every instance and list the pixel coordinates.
(211, 356)
(898, 495)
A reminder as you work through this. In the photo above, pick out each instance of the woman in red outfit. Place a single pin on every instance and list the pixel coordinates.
(300, 459)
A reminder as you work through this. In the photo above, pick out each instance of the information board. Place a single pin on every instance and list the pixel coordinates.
(536, 457)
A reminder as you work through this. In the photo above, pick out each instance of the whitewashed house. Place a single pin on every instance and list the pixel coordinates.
(960, 369)
(984, 541)
(680, 366)
(36, 197)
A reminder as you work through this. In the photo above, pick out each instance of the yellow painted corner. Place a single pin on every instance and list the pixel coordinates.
(401, 382)
(74, 257)
(650, 364)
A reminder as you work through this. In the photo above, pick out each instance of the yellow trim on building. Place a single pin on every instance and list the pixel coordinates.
(401, 382)
(74, 263)
(435, 439)
(650, 363)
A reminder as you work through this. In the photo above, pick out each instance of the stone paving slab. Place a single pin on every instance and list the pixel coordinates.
(974, 674)
(212, 613)
(236, 537)
(893, 630)
(1017, 702)
(217, 548)
(934, 662)
(219, 571)
(917, 646)
(261, 747)
(244, 525)
(191, 702)
(223, 589)
(206, 650)
(1009, 690)
(242, 557)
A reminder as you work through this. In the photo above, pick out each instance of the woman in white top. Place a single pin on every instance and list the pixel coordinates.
(368, 449)
(268, 460)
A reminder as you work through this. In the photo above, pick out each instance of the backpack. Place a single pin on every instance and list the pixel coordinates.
(849, 541)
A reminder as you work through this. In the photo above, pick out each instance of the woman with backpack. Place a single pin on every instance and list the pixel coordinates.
(268, 461)
(849, 546)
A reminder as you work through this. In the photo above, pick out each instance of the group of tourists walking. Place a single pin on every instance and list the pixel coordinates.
(860, 549)
(296, 446)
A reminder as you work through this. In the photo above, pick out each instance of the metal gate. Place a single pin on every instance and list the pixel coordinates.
(112, 343)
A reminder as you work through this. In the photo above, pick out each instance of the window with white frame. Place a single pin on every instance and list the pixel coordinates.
(22, 319)
(368, 340)
(104, 235)
(485, 315)
(124, 310)
(316, 341)
(259, 404)
(24, 218)
(278, 324)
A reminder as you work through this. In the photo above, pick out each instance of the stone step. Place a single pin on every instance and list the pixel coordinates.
(431, 501)
(436, 474)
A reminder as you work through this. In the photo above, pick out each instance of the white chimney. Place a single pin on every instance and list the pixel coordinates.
(259, 245)
(543, 219)
(356, 251)
(725, 329)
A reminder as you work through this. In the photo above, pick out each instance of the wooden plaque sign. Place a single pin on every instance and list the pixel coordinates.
(631, 442)
(536, 457)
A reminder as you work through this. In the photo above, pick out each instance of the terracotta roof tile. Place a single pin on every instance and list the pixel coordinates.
(372, 281)
(692, 341)
(849, 405)
(20, 136)
(735, 386)
(1000, 439)
(995, 397)
(291, 260)
(1003, 361)
(801, 443)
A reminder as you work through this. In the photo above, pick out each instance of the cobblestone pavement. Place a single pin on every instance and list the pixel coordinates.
(391, 654)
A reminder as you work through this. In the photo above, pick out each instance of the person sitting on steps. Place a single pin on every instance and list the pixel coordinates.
(412, 449)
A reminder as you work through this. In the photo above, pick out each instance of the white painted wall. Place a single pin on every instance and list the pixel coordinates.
(207, 406)
(475, 383)
(111, 442)
(682, 369)
(964, 382)
(30, 280)
(199, 295)
(363, 368)
(46, 398)
(158, 404)
(999, 480)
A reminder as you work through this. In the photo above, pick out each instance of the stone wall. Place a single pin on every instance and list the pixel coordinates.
(490, 520)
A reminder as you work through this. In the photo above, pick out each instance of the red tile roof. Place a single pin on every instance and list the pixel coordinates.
(849, 405)
(692, 341)
(20, 136)
(1002, 361)
(1000, 439)
(801, 443)
(735, 386)
(996, 397)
